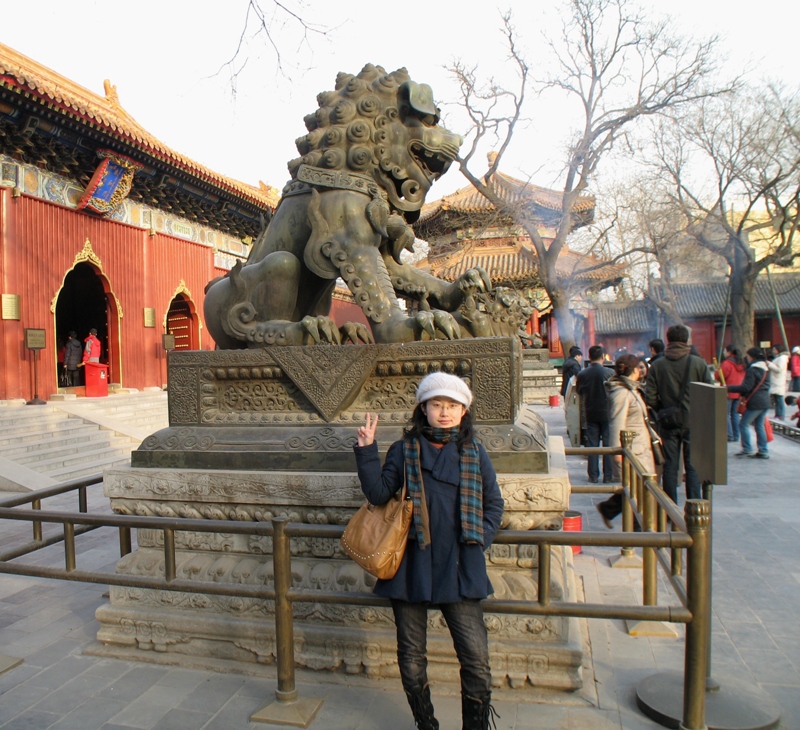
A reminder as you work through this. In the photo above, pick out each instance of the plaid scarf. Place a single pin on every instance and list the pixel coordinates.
(470, 486)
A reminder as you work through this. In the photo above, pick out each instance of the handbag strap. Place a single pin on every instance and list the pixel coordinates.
(746, 399)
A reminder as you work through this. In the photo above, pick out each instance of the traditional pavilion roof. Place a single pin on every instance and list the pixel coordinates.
(468, 203)
(512, 263)
(47, 119)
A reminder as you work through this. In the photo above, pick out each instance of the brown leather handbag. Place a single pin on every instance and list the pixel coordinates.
(376, 536)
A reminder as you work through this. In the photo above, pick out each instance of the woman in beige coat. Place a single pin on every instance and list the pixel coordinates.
(627, 411)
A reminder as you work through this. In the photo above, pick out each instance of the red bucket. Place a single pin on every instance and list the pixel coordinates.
(553, 401)
(573, 522)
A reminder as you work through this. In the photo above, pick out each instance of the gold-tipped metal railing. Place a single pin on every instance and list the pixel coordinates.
(688, 533)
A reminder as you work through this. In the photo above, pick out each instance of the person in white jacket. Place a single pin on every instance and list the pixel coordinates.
(777, 379)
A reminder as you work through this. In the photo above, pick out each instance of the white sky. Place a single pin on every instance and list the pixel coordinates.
(164, 57)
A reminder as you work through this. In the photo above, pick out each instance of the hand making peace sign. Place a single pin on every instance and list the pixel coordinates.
(366, 434)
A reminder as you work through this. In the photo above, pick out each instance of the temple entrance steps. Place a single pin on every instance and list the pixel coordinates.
(63, 440)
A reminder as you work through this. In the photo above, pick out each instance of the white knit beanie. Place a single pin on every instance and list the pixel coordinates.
(444, 384)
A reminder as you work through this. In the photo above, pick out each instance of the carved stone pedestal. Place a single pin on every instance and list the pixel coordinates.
(296, 461)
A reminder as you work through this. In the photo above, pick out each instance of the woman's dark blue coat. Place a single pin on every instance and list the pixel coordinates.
(447, 570)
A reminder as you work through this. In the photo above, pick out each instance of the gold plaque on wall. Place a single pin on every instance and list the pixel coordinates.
(10, 306)
(149, 317)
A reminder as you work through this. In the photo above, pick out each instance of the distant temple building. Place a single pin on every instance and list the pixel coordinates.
(702, 306)
(465, 230)
(102, 226)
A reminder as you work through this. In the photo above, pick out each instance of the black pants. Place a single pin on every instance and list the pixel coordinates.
(675, 440)
(597, 431)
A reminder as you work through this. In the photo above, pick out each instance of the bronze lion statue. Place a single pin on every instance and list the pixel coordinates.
(373, 149)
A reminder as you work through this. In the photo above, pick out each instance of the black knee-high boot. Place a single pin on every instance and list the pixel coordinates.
(477, 713)
(422, 707)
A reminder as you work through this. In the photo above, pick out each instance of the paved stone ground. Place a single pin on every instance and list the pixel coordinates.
(756, 635)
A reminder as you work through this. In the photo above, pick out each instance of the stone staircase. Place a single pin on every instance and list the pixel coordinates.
(41, 446)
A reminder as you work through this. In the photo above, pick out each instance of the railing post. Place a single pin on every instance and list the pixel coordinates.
(544, 573)
(169, 555)
(627, 557)
(82, 503)
(125, 545)
(284, 628)
(37, 526)
(69, 546)
(698, 591)
(626, 438)
(287, 709)
(649, 568)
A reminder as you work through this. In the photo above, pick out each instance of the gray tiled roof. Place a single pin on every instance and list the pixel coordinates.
(624, 317)
(708, 299)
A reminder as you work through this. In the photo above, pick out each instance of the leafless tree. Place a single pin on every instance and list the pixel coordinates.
(620, 69)
(267, 21)
(733, 167)
(639, 224)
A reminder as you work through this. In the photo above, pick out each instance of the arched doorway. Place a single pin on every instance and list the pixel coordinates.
(182, 322)
(85, 302)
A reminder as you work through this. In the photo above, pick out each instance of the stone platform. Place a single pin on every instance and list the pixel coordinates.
(262, 433)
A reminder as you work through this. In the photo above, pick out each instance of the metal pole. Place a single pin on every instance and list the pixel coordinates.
(698, 584)
(708, 492)
(37, 526)
(69, 546)
(125, 546)
(544, 573)
(626, 439)
(724, 321)
(284, 629)
(778, 310)
(169, 555)
(650, 578)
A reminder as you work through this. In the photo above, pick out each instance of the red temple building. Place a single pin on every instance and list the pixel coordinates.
(103, 226)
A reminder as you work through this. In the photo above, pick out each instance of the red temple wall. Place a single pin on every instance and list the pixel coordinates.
(39, 242)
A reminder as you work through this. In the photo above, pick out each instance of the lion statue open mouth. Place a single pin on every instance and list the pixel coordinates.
(373, 149)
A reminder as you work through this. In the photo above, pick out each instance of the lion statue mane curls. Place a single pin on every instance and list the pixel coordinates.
(372, 150)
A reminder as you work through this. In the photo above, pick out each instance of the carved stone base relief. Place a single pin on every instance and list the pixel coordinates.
(526, 650)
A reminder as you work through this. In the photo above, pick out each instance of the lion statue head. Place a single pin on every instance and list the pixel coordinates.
(382, 125)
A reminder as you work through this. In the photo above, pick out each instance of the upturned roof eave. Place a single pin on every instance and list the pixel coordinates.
(45, 87)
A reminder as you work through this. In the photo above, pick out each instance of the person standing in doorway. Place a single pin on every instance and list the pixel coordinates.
(72, 358)
(91, 347)
(667, 393)
(457, 510)
(591, 387)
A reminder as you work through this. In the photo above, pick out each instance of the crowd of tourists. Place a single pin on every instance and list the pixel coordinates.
(649, 397)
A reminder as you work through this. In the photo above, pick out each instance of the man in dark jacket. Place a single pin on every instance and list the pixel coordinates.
(754, 387)
(591, 387)
(572, 366)
(669, 377)
(656, 351)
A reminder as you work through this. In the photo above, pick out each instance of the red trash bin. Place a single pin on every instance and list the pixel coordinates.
(96, 379)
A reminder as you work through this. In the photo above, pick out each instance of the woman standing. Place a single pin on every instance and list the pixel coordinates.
(457, 510)
(755, 387)
(777, 379)
(794, 369)
(627, 411)
(732, 367)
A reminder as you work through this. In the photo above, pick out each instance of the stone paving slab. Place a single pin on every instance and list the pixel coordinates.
(756, 634)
